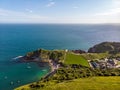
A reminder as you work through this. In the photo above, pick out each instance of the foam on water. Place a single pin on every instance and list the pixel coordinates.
(18, 57)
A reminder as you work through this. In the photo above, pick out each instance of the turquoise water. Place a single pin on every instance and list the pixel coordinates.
(18, 39)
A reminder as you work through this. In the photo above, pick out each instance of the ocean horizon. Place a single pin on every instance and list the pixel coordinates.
(18, 39)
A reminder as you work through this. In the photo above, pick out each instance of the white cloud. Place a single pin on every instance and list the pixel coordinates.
(112, 15)
(50, 4)
(14, 16)
(116, 2)
(115, 11)
(75, 7)
(90, 20)
(28, 10)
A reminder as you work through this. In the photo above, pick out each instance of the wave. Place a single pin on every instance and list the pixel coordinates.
(18, 57)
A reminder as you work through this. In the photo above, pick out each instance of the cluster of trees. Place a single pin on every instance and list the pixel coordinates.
(56, 55)
(37, 85)
(78, 71)
(74, 71)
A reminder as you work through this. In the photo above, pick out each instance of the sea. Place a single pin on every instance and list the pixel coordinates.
(18, 39)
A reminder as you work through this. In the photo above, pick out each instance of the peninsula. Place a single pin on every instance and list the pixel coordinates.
(69, 67)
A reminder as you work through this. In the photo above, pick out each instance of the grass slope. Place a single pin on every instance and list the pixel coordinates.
(76, 59)
(93, 83)
(92, 56)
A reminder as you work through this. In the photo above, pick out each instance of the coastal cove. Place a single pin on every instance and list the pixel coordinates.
(67, 65)
(19, 39)
(22, 73)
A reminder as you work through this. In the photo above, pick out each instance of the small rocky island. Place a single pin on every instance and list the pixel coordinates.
(101, 60)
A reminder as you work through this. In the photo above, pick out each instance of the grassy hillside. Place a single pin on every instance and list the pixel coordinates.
(75, 59)
(94, 56)
(110, 47)
(94, 83)
(90, 56)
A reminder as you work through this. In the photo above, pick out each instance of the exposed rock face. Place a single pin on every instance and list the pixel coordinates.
(110, 47)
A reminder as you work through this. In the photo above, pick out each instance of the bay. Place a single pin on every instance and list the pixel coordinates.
(18, 39)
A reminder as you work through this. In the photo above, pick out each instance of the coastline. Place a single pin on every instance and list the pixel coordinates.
(19, 42)
(53, 65)
(53, 57)
(53, 68)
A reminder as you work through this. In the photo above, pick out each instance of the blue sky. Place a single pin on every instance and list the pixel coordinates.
(59, 11)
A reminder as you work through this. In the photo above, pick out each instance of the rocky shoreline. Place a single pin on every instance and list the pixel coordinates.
(53, 65)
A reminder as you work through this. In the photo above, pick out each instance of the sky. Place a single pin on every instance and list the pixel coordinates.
(59, 11)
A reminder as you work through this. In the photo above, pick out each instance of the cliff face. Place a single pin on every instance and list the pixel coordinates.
(110, 47)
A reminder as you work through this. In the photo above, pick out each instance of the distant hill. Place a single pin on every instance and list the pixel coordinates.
(110, 47)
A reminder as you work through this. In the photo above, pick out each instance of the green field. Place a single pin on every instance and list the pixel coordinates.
(93, 56)
(75, 59)
(93, 83)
